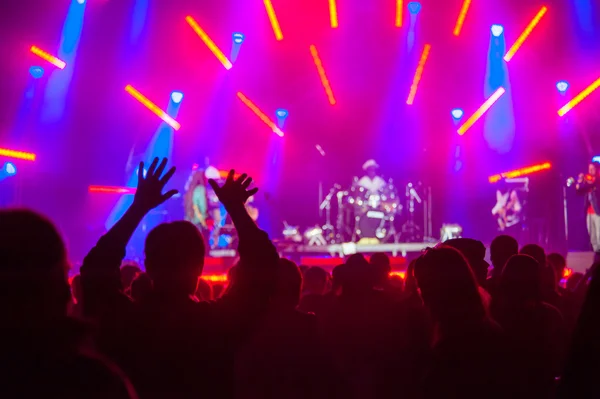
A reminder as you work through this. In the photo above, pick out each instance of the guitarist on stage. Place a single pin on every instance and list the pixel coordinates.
(508, 207)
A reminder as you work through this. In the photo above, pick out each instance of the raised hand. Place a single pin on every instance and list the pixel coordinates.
(149, 189)
(234, 191)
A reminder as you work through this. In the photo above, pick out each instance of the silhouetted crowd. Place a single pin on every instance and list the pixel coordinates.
(454, 327)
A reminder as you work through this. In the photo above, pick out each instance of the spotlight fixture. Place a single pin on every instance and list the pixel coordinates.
(497, 30)
(238, 38)
(457, 113)
(281, 115)
(10, 169)
(414, 7)
(562, 86)
(36, 72)
(176, 97)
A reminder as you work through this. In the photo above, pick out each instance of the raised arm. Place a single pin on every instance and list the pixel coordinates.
(100, 272)
(255, 278)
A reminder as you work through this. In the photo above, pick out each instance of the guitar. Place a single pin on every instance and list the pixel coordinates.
(507, 209)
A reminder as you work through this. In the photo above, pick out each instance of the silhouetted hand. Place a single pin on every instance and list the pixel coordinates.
(234, 191)
(149, 189)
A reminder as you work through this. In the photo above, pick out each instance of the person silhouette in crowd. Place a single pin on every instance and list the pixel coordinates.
(558, 263)
(503, 247)
(284, 357)
(315, 284)
(44, 353)
(549, 288)
(165, 341)
(141, 287)
(474, 252)
(364, 332)
(535, 329)
(580, 376)
(469, 349)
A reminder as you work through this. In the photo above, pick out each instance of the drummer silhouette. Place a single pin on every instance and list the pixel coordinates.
(371, 181)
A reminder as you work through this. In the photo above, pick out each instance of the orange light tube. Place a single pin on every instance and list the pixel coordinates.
(26, 156)
(399, 13)
(579, 98)
(152, 107)
(322, 75)
(521, 39)
(222, 278)
(273, 20)
(111, 190)
(333, 15)
(260, 114)
(57, 62)
(418, 74)
(520, 172)
(461, 17)
(209, 43)
(482, 110)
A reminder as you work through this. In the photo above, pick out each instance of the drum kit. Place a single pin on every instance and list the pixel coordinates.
(364, 216)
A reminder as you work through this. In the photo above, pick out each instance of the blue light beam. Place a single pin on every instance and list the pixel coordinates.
(499, 126)
(59, 81)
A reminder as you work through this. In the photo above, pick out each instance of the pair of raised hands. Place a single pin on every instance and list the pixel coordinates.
(149, 193)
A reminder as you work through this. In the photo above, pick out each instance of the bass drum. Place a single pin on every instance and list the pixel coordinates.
(390, 201)
(371, 224)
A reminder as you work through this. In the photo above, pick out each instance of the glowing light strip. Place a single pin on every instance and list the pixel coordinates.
(333, 16)
(517, 45)
(57, 62)
(111, 190)
(273, 20)
(221, 278)
(209, 43)
(399, 15)
(482, 110)
(579, 98)
(461, 17)
(322, 75)
(520, 172)
(26, 156)
(152, 107)
(260, 114)
(418, 74)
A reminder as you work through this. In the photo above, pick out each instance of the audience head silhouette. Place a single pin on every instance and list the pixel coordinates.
(175, 257)
(289, 283)
(358, 276)
(315, 281)
(474, 252)
(520, 281)
(33, 264)
(501, 249)
(448, 286)
(382, 268)
(536, 252)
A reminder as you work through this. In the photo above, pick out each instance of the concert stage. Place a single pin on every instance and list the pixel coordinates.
(325, 256)
(345, 249)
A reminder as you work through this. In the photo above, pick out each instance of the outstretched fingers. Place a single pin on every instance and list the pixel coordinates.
(230, 176)
(168, 195)
(167, 176)
(161, 168)
(140, 171)
(152, 167)
(246, 183)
